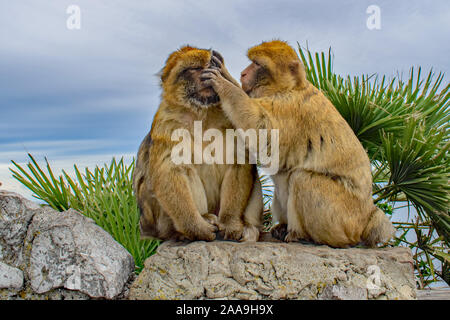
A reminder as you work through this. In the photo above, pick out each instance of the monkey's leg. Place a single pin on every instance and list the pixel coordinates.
(324, 210)
(199, 197)
(180, 198)
(235, 191)
(279, 231)
(279, 205)
(253, 213)
(295, 213)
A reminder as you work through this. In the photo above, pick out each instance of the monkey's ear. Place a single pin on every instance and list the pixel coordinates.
(294, 67)
(298, 72)
(160, 75)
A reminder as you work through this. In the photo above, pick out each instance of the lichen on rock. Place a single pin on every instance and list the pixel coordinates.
(61, 254)
(267, 270)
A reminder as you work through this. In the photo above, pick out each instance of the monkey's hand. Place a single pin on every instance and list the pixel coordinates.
(218, 64)
(215, 79)
(237, 105)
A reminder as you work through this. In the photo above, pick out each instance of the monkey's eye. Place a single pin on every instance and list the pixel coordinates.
(256, 63)
(185, 71)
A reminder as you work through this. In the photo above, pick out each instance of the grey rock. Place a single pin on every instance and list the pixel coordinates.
(268, 270)
(69, 250)
(337, 292)
(10, 277)
(45, 254)
(26, 293)
(15, 216)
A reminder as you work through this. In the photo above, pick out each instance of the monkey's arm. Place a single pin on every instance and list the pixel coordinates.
(173, 191)
(235, 192)
(230, 78)
(243, 111)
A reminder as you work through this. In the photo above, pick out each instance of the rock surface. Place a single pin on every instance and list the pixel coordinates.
(15, 216)
(62, 255)
(69, 250)
(266, 270)
(45, 254)
(10, 277)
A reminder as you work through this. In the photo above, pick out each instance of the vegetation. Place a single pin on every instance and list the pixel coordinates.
(105, 195)
(404, 126)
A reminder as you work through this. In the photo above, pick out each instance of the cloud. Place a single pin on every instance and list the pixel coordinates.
(98, 83)
(61, 154)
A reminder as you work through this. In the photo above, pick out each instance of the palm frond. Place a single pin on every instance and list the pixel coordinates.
(104, 194)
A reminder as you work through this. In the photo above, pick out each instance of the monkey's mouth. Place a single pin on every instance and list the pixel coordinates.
(247, 89)
(204, 97)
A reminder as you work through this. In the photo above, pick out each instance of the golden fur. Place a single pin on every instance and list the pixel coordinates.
(323, 190)
(182, 201)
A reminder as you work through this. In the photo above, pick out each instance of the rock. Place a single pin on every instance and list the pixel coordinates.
(57, 255)
(15, 216)
(69, 250)
(334, 292)
(10, 277)
(26, 293)
(268, 270)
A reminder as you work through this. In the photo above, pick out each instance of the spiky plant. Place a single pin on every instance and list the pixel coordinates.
(104, 194)
(404, 126)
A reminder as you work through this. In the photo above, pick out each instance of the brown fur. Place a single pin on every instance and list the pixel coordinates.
(182, 201)
(323, 191)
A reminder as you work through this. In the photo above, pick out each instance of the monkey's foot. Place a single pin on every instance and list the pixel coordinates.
(250, 233)
(231, 229)
(212, 219)
(198, 230)
(294, 236)
(279, 231)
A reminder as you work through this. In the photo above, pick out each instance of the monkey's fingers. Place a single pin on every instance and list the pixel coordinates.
(209, 82)
(216, 63)
(211, 72)
(217, 55)
(212, 219)
(205, 77)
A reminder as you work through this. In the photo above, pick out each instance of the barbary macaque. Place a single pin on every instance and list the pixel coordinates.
(190, 201)
(323, 188)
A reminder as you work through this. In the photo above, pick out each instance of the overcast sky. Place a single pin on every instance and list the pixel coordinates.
(82, 96)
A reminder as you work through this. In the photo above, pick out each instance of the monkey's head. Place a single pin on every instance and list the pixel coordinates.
(180, 78)
(275, 68)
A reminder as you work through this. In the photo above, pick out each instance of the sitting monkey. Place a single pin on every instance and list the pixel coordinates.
(180, 201)
(323, 189)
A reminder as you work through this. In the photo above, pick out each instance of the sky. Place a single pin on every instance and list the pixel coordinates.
(85, 95)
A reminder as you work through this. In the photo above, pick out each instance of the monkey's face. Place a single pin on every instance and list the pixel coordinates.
(195, 91)
(275, 68)
(181, 81)
(253, 78)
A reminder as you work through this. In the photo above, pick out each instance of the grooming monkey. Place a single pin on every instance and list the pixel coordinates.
(182, 201)
(323, 189)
